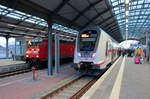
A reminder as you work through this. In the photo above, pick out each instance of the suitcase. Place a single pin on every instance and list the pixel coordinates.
(136, 60)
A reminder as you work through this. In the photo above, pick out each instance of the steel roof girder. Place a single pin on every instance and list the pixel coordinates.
(95, 17)
(105, 20)
(10, 32)
(86, 9)
(61, 6)
(14, 31)
(108, 25)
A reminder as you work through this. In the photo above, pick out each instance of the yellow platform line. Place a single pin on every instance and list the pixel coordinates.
(92, 90)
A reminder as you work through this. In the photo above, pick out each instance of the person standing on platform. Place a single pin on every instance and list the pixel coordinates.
(139, 53)
(123, 52)
(12, 55)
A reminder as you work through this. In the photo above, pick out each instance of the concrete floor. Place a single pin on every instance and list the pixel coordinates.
(24, 87)
(125, 81)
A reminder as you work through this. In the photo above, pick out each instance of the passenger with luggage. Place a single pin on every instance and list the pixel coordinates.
(136, 60)
(138, 56)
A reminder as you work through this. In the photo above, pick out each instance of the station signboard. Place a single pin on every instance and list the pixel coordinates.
(134, 45)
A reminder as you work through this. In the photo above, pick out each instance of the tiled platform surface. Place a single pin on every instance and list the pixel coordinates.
(23, 87)
(125, 81)
(10, 65)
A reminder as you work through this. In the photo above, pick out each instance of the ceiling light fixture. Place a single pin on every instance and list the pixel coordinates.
(127, 2)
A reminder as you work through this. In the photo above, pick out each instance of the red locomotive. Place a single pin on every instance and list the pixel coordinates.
(32, 50)
(39, 51)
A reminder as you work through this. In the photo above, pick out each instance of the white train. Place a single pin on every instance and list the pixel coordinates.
(94, 49)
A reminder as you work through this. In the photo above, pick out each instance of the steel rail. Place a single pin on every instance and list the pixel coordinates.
(75, 95)
(10, 73)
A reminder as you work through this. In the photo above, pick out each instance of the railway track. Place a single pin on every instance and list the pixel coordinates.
(14, 72)
(11, 73)
(74, 89)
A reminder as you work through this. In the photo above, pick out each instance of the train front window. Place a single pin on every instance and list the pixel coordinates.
(87, 40)
(34, 43)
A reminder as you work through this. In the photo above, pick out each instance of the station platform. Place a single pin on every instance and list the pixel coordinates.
(123, 80)
(9, 62)
(7, 65)
(23, 86)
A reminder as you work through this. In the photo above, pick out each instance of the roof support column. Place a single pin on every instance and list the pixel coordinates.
(7, 50)
(50, 50)
(57, 57)
(147, 47)
(15, 50)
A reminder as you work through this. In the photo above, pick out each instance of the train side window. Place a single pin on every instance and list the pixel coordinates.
(106, 52)
(109, 48)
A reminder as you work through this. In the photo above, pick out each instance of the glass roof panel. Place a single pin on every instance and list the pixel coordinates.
(20, 16)
(138, 19)
(119, 12)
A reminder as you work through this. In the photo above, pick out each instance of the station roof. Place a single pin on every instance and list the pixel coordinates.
(15, 24)
(76, 14)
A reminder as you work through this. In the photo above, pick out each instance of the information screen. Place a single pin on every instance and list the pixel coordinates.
(88, 39)
(89, 34)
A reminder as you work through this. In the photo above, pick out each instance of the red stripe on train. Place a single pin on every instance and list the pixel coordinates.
(102, 63)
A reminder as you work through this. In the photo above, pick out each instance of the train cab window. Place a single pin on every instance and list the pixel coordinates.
(87, 40)
(34, 43)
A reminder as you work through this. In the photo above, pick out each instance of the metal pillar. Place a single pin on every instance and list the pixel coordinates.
(7, 50)
(147, 54)
(147, 46)
(50, 50)
(57, 57)
(15, 50)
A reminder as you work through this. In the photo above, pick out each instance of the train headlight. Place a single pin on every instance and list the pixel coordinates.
(79, 54)
(27, 55)
(37, 56)
(37, 49)
(93, 55)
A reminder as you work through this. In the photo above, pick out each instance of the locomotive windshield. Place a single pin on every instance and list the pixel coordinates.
(33, 43)
(87, 40)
